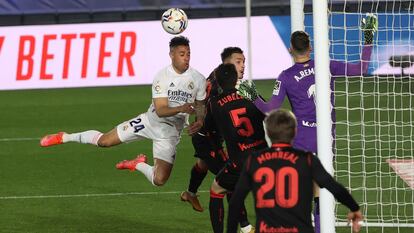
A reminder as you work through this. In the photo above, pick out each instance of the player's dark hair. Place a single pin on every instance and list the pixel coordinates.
(179, 40)
(227, 52)
(300, 41)
(226, 75)
(280, 126)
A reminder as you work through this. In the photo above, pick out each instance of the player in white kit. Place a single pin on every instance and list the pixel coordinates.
(177, 91)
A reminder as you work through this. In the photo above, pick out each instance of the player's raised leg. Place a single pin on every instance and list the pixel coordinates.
(128, 131)
(157, 174)
(52, 139)
(162, 171)
(93, 137)
(164, 155)
(132, 164)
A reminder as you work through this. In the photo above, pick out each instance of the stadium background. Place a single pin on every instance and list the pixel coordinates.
(75, 188)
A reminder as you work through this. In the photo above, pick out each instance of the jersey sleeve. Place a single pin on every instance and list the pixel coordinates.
(325, 180)
(201, 87)
(353, 69)
(159, 87)
(241, 190)
(278, 95)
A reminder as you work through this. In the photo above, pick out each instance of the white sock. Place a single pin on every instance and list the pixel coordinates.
(246, 229)
(86, 137)
(147, 170)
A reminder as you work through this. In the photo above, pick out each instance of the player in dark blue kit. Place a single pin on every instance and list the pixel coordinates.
(298, 84)
(241, 125)
(280, 178)
(208, 145)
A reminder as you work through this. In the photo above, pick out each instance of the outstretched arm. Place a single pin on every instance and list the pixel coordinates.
(274, 103)
(277, 98)
(353, 69)
(369, 26)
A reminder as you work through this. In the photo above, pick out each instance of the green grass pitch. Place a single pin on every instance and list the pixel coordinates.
(76, 188)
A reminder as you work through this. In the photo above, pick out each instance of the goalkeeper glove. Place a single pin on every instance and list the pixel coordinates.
(369, 26)
(247, 89)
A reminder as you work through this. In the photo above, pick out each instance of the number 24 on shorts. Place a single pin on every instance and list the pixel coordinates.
(136, 124)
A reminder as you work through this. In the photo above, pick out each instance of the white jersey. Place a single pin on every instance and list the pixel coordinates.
(180, 89)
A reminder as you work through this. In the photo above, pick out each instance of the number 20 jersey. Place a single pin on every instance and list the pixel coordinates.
(280, 178)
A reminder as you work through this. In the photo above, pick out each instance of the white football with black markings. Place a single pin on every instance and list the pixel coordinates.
(174, 21)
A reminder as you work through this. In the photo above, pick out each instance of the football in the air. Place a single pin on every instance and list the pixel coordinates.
(174, 21)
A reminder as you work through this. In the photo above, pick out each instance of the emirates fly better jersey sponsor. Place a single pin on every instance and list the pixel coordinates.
(179, 89)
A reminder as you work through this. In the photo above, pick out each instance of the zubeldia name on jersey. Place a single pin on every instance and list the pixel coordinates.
(179, 96)
(229, 98)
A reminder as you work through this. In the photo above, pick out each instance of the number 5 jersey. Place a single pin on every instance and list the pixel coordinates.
(239, 122)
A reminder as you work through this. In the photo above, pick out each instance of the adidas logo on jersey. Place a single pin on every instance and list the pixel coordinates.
(172, 85)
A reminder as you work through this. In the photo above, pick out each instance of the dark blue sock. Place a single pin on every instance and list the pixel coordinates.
(316, 215)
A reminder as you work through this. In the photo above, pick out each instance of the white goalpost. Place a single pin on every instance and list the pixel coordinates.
(373, 153)
(297, 15)
(323, 93)
(249, 39)
(323, 110)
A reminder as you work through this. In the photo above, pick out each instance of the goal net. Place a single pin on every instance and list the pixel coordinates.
(374, 141)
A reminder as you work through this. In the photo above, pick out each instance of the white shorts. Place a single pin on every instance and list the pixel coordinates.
(165, 138)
